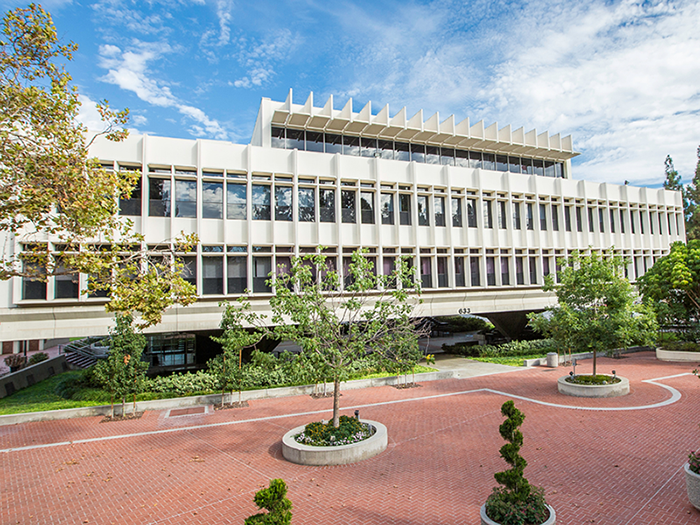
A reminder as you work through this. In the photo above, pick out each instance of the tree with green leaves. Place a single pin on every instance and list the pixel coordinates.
(123, 372)
(672, 286)
(236, 322)
(274, 500)
(692, 192)
(598, 309)
(339, 326)
(50, 189)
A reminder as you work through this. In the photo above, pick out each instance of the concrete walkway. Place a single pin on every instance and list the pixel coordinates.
(468, 367)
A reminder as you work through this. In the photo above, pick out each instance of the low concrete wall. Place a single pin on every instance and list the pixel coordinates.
(11, 383)
(677, 356)
(341, 455)
(565, 359)
(180, 402)
(612, 390)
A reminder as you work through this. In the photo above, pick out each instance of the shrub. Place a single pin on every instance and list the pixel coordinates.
(694, 460)
(38, 358)
(275, 501)
(75, 384)
(599, 379)
(350, 430)
(682, 346)
(457, 323)
(518, 348)
(14, 360)
(516, 502)
(463, 349)
(183, 384)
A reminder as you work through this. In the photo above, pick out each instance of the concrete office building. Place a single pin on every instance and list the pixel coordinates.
(484, 212)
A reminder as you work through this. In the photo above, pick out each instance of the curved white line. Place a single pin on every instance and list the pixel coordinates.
(675, 396)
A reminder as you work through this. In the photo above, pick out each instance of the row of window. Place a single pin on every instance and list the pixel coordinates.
(229, 274)
(285, 138)
(234, 201)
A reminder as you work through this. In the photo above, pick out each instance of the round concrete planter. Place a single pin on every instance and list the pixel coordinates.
(340, 455)
(692, 485)
(612, 390)
(485, 520)
(677, 356)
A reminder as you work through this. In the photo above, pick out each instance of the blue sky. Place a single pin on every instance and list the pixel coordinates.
(622, 77)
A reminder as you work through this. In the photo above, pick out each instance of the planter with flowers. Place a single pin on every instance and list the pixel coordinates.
(516, 502)
(320, 443)
(692, 478)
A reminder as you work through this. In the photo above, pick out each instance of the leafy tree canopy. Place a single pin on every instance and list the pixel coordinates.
(598, 308)
(51, 191)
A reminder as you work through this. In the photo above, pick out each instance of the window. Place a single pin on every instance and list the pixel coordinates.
(529, 217)
(351, 146)
(501, 163)
(65, 283)
(475, 271)
(212, 275)
(533, 270)
(418, 152)
(237, 278)
(326, 199)
(543, 217)
(236, 201)
(519, 275)
(283, 267)
(261, 202)
(334, 143)
(432, 155)
(283, 203)
(401, 151)
(295, 139)
(590, 220)
(579, 219)
(539, 167)
(307, 205)
(314, 141)
(278, 138)
(502, 215)
(471, 213)
(447, 157)
(212, 200)
(132, 205)
(33, 287)
(159, 197)
(622, 221)
(388, 268)
(641, 222)
(368, 147)
(185, 198)
(545, 266)
(661, 225)
(555, 217)
(442, 272)
(651, 223)
(489, 161)
(567, 218)
(405, 209)
(387, 208)
(456, 212)
(386, 149)
(367, 207)
(612, 221)
(516, 216)
(490, 271)
(189, 270)
(439, 211)
(426, 276)
(348, 205)
(488, 215)
(423, 219)
(459, 272)
(262, 266)
(601, 224)
(632, 221)
(505, 272)
(475, 160)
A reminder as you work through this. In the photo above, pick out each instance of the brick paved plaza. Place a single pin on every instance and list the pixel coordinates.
(619, 466)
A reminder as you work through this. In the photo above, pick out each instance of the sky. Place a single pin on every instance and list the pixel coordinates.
(621, 77)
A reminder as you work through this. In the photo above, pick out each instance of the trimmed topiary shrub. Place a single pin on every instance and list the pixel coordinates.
(274, 500)
(516, 502)
(15, 360)
(38, 358)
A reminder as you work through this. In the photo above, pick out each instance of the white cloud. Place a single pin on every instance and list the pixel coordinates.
(132, 71)
(259, 59)
(88, 114)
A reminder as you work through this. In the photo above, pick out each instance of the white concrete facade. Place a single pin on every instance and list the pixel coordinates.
(482, 236)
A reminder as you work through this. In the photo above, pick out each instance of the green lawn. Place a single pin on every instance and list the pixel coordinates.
(507, 360)
(42, 396)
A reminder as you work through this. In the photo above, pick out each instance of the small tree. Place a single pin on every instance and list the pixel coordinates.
(517, 502)
(229, 366)
(123, 372)
(598, 308)
(337, 325)
(274, 500)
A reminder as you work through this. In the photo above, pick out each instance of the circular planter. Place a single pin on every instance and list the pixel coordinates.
(677, 356)
(485, 520)
(340, 455)
(612, 390)
(692, 485)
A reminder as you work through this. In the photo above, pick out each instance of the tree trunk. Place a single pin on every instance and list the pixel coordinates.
(594, 362)
(336, 402)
